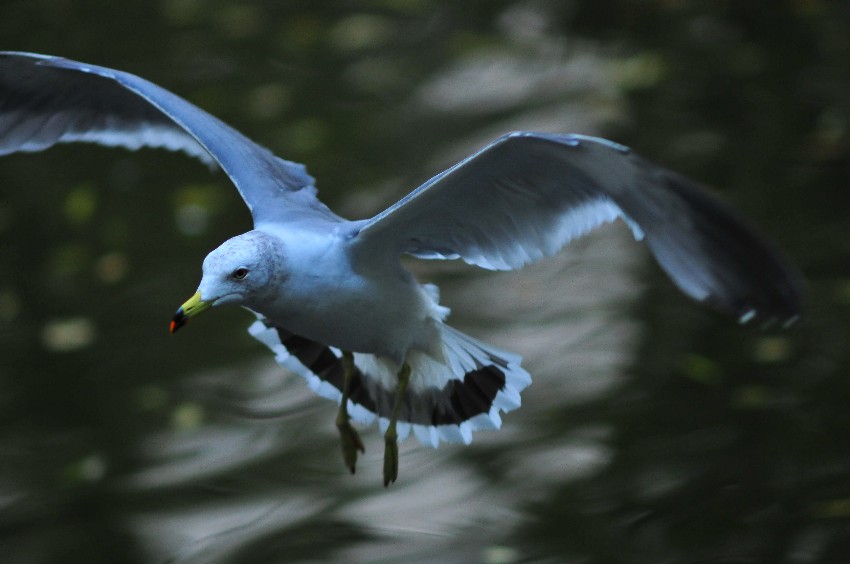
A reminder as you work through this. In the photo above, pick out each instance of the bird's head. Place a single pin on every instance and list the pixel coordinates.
(244, 270)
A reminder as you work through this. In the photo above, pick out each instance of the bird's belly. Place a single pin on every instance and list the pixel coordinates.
(359, 316)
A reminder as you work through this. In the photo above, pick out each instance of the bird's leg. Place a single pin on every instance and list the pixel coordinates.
(350, 440)
(391, 437)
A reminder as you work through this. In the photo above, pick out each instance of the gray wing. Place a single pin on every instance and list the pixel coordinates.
(47, 100)
(526, 195)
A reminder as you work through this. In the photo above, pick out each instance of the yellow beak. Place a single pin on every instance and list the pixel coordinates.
(191, 308)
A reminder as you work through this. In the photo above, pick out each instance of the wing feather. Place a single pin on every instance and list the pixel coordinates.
(526, 195)
(47, 100)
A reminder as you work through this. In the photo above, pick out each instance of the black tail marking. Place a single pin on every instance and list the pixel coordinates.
(457, 402)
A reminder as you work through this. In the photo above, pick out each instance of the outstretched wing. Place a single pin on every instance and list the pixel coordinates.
(526, 195)
(47, 100)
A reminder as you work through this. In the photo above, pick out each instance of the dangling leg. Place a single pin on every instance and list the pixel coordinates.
(391, 437)
(350, 440)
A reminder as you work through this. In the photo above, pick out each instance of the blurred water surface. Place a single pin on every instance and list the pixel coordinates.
(654, 431)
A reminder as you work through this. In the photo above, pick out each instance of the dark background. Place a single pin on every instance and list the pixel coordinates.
(655, 431)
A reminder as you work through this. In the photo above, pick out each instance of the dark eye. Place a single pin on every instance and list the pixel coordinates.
(239, 273)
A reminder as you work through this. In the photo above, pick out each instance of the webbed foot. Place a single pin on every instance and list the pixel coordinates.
(390, 459)
(349, 441)
(349, 438)
(391, 435)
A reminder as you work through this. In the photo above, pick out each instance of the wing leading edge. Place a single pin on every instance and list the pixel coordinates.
(47, 100)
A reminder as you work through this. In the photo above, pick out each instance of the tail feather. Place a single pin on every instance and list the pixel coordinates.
(450, 395)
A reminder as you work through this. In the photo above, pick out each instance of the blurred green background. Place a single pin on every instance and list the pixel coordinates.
(655, 431)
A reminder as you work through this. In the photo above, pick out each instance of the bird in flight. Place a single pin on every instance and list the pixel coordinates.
(332, 299)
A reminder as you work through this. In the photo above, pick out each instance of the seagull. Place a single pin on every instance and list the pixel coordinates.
(333, 301)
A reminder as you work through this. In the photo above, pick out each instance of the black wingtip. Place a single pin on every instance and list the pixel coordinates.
(714, 254)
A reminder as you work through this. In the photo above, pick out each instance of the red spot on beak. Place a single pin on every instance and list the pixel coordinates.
(180, 319)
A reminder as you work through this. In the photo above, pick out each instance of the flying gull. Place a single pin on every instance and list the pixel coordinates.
(332, 299)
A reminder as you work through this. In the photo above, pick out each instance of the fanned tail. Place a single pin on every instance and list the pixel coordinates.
(450, 395)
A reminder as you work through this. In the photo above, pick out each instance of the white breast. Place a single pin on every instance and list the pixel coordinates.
(384, 313)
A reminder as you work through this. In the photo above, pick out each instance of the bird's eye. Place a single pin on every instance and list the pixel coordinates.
(240, 273)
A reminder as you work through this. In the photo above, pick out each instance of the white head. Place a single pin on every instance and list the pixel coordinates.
(246, 270)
